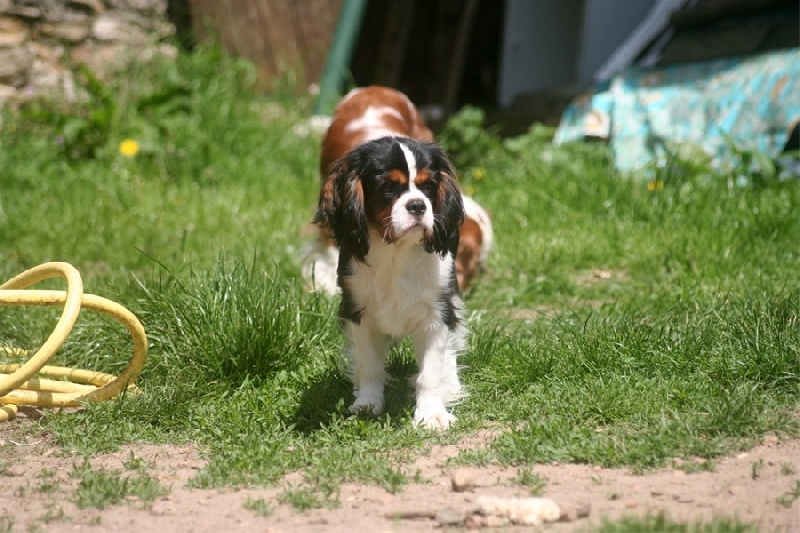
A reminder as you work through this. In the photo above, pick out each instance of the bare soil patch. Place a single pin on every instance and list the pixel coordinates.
(747, 487)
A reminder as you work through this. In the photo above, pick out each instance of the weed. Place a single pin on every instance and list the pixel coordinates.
(526, 477)
(693, 467)
(259, 506)
(305, 498)
(52, 513)
(788, 498)
(49, 482)
(756, 468)
(466, 136)
(663, 524)
(473, 456)
(135, 463)
(100, 488)
(787, 469)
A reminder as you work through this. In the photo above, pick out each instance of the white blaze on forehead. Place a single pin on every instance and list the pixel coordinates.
(411, 161)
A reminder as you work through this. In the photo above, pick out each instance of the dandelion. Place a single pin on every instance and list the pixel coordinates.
(478, 173)
(129, 148)
(656, 185)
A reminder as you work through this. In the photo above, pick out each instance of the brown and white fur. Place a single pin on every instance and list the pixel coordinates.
(394, 209)
(366, 114)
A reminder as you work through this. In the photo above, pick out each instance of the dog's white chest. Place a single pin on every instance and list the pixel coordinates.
(399, 290)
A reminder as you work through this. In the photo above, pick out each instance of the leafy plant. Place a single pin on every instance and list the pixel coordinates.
(305, 498)
(466, 138)
(89, 127)
(52, 513)
(49, 481)
(756, 468)
(788, 498)
(259, 506)
(661, 523)
(749, 167)
(100, 488)
(534, 482)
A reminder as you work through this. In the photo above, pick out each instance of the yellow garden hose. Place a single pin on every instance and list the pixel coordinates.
(22, 384)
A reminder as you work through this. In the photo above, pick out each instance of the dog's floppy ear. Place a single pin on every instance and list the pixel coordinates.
(448, 207)
(341, 207)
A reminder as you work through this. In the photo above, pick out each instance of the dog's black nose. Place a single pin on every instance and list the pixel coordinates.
(416, 207)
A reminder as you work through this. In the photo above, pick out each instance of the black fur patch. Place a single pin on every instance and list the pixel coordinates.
(348, 307)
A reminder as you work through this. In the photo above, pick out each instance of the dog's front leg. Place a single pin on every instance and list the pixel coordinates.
(366, 353)
(437, 383)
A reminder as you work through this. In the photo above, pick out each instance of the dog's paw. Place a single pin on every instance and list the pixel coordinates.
(432, 414)
(367, 405)
(437, 421)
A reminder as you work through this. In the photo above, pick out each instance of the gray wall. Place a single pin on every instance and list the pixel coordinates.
(558, 43)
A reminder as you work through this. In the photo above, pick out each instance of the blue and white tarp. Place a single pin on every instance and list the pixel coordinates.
(752, 102)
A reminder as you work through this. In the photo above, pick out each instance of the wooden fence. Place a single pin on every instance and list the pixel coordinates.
(279, 36)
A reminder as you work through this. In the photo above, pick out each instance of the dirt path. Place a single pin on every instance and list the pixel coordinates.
(747, 486)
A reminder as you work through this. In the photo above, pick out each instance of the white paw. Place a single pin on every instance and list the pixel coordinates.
(367, 404)
(437, 421)
(432, 414)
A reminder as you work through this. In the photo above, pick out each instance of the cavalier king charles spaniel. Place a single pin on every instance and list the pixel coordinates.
(366, 114)
(394, 208)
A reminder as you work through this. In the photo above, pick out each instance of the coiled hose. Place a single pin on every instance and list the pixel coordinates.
(37, 384)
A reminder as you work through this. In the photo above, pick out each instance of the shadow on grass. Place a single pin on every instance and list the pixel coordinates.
(328, 397)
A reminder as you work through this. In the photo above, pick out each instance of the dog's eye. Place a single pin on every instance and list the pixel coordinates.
(389, 188)
(428, 186)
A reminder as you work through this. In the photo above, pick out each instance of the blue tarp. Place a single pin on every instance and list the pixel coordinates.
(646, 113)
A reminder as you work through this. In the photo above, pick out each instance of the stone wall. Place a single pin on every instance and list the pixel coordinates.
(41, 40)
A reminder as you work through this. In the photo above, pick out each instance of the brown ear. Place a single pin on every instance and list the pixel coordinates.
(341, 208)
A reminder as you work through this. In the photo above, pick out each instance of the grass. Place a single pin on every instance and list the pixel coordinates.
(617, 325)
(100, 488)
(259, 506)
(788, 498)
(534, 482)
(662, 524)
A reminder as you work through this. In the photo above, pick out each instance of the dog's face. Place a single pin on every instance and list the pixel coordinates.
(399, 188)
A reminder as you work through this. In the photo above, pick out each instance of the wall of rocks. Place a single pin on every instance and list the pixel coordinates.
(41, 40)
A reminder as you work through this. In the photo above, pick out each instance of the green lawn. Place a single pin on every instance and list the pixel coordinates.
(616, 325)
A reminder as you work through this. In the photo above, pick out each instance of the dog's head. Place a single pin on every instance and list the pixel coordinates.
(400, 189)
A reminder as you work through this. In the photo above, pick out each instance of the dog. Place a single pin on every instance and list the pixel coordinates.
(394, 208)
(363, 115)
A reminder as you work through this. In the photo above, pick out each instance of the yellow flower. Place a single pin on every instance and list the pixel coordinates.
(478, 173)
(656, 185)
(129, 148)
(469, 190)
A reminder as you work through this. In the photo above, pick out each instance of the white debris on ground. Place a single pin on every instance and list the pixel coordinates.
(532, 511)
